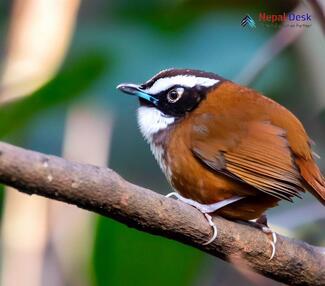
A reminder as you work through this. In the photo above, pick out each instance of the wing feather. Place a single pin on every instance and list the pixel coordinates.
(256, 153)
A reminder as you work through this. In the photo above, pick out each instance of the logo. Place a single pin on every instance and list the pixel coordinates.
(273, 18)
(288, 20)
(248, 21)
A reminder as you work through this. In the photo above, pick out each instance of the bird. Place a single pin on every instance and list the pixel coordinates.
(224, 148)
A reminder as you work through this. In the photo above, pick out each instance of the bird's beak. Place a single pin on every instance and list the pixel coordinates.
(134, 89)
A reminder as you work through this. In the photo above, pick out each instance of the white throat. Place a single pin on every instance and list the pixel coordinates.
(151, 120)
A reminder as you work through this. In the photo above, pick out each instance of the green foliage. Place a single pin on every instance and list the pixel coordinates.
(124, 256)
(174, 17)
(71, 82)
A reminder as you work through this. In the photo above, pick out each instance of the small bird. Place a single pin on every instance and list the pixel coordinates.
(224, 148)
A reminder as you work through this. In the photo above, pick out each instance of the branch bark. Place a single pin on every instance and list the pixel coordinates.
(103, 191)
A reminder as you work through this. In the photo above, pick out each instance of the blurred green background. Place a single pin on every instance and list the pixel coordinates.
(122, 41)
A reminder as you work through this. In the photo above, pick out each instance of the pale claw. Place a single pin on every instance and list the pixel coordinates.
(267, 230)
(214, 229)
(207, 216)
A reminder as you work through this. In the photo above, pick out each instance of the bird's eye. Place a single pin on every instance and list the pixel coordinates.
(175, 94)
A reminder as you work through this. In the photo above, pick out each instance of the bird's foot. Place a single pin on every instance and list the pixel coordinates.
(214, 229)
(203, 209)
(261, 223)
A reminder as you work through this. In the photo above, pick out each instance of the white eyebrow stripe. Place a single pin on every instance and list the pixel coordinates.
(183, 80)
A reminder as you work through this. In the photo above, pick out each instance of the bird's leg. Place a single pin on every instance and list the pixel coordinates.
(206, 209)
(202, 209)
(261, 223)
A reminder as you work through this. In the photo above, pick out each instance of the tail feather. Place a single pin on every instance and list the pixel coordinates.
(314, 178)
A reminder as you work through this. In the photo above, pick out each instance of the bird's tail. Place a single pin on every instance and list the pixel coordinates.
(312, 175)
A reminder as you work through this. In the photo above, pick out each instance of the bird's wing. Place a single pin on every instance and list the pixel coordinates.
(257, 153)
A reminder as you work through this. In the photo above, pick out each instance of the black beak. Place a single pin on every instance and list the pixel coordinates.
(134, 89)
(129, 88)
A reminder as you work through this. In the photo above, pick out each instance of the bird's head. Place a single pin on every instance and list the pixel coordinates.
(169, 96)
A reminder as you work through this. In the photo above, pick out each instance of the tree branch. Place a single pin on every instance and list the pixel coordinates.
(103, 191)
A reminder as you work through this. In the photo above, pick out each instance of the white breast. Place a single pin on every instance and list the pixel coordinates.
(151, 121)
(159, 155)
